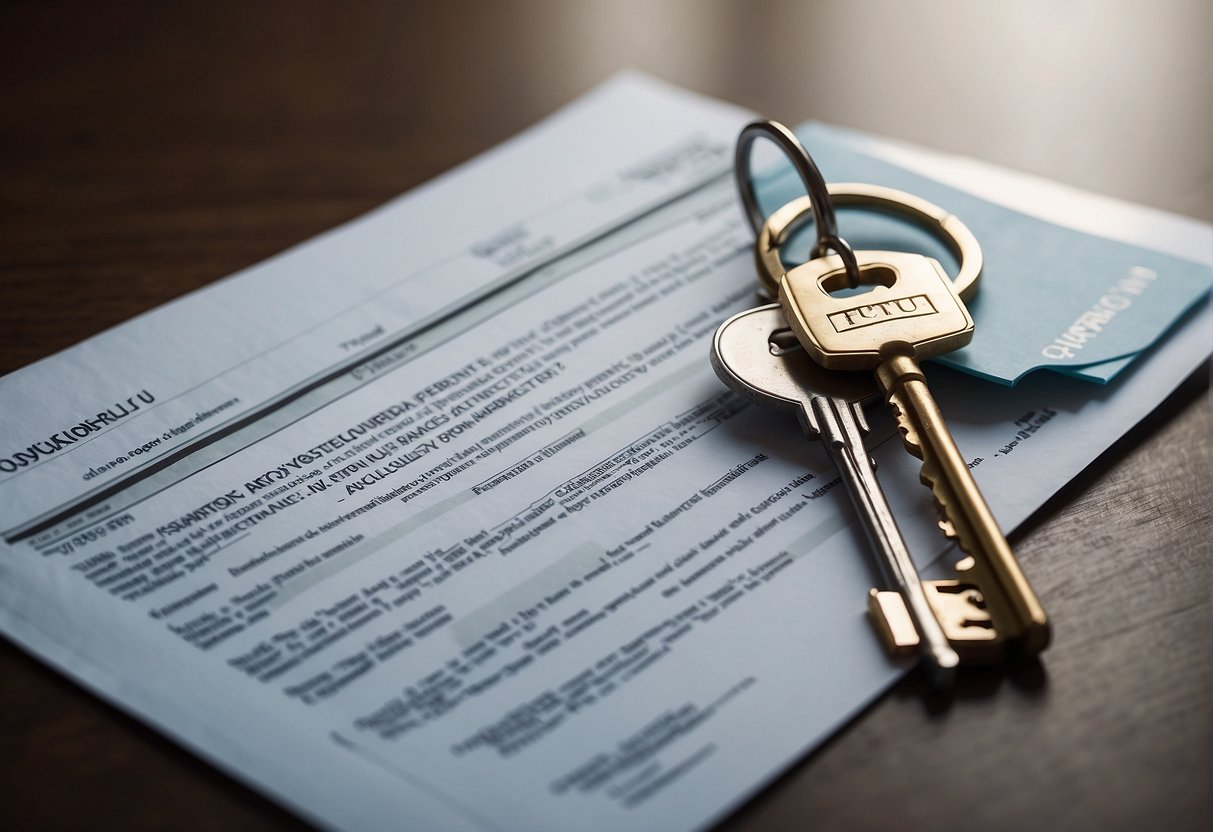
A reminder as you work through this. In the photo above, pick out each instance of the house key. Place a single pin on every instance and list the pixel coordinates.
(757, 355)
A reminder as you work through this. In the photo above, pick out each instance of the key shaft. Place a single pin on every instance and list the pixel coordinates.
(841, 435)
(999, 575)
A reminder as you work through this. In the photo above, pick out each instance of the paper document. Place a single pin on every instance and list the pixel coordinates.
(442, 520)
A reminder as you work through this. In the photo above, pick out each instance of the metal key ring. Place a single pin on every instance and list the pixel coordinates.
(946, 227)
(819, 195)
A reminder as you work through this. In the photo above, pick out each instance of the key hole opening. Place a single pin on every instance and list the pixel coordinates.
(782, 342)
(839, 286)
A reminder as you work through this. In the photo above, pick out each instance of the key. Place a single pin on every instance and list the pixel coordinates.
(756, 354)
(912, 313)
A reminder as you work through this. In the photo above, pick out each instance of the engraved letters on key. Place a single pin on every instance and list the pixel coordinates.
(849, 333)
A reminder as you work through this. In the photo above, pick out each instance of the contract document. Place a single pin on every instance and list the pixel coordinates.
(442, 520)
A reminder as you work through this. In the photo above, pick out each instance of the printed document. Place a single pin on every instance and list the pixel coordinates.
(442, 520)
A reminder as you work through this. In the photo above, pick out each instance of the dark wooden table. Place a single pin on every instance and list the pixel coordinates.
(149, 148)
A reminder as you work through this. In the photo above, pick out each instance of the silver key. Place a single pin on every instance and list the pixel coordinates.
(758, 356)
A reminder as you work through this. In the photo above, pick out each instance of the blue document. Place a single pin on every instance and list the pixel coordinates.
(1050, 297)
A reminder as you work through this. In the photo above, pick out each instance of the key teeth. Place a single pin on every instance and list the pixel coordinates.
(929, 476)
(909, 436)
(956, 528)
(950, 523)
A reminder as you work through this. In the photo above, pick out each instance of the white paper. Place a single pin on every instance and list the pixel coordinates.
(498, 551)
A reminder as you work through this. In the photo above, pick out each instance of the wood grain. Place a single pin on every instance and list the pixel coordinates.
(147, 149)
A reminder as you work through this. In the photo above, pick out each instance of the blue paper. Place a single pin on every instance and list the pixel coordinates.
(1050, 297)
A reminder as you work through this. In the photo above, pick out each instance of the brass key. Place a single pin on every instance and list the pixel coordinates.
(912, 312)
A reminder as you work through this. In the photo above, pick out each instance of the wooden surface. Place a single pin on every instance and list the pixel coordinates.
(147, 149)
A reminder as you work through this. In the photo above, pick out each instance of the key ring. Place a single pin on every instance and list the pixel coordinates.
(815, 184)
(948, 228)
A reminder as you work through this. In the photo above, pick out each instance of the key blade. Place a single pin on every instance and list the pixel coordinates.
(841, 436)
